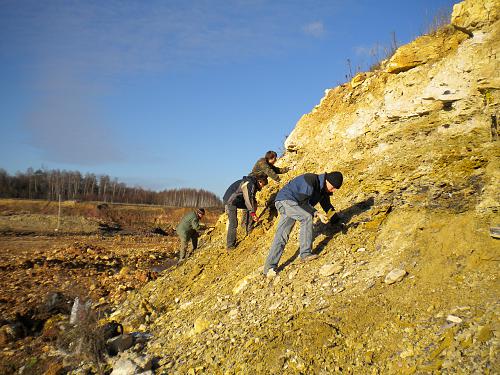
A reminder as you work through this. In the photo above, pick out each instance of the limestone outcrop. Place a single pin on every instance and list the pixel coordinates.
(471, 15)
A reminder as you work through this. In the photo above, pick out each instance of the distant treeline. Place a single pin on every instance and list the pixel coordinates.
(71, 185)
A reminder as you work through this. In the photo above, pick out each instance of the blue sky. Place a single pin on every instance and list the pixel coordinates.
(167, 94)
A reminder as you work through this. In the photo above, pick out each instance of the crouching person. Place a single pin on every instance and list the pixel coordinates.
(187, 230)
(295, 202)
(241, 194)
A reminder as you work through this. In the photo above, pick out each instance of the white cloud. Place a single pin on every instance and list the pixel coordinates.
(315, 29)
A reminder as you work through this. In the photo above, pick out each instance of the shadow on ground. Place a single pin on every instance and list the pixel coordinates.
(341, 222)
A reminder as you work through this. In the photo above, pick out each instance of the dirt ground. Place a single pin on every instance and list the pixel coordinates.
(97, 255)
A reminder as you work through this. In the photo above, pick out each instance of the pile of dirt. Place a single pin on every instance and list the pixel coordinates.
(407, 281)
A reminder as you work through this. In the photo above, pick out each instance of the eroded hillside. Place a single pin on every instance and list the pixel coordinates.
(418, 145)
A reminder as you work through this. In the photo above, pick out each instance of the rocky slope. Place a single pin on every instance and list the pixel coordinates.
(418, 145)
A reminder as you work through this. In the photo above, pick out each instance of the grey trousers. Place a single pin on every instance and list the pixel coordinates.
(290, 212)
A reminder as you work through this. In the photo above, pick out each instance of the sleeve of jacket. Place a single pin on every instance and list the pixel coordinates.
(270, 172)
(280, 170)
(326, 204)
(195, 223)
(248, 191)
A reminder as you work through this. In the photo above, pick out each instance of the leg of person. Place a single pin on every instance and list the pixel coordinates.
(305, 219)
(248, 222)
(194, 241)
(232, 214)
(182, 251)
(285, 225)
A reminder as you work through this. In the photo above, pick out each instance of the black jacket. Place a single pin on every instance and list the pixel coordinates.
(241, 194)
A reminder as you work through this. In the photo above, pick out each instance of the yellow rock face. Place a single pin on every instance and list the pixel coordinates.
(473, 14)
(423, 50)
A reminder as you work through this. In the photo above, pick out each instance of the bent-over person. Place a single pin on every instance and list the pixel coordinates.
(187, 230)
(241, 194)
(295, 202)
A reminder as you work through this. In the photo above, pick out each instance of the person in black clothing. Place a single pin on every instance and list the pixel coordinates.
(241, 194)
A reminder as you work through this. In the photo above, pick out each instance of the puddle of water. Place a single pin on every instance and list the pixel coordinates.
(166, 264)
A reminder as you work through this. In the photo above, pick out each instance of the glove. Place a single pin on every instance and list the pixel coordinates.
(322, 217)
(254, 217)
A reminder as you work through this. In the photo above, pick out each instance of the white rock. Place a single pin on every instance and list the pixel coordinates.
(330, 269)
(240, 285)
(453, 319)
(361, 250)
(394, 276)
(124, 367)
(292, 274)
(271, 273)
(275, 305)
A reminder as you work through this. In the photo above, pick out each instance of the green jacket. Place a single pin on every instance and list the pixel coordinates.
(263, 168)
(190, 222)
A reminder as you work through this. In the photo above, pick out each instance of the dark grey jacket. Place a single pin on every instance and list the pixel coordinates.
(241, 194)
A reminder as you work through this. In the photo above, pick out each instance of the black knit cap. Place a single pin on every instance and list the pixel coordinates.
(335, 178)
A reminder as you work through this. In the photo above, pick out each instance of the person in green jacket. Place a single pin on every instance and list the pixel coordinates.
(188, 229)
(265, 166)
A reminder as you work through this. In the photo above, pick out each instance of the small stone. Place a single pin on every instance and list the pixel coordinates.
(394, 276)
(233, 313)
(124, 367)
(453, 319)
(241, 285)
(484, 333)
(361, 250)
(271, 274)
(330, 269)
(275, 305)
(292, 274)
(200, 325)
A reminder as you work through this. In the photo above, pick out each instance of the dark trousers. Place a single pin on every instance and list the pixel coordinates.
(232, 215)
(185, 238)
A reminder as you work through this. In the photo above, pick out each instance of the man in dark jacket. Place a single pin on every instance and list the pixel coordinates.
(241, 194)
(295, 202)
(188, 229)
(265, 167)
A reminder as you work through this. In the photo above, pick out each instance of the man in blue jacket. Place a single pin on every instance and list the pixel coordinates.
(295, 202)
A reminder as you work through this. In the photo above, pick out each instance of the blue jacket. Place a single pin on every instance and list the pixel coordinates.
(307, 190)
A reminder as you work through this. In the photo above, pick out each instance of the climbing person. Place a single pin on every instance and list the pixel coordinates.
(295, 202)
(188, 229)
(241, 194)
(265, 166)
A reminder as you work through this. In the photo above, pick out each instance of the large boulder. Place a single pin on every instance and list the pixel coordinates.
(471, 15)
(424, 49)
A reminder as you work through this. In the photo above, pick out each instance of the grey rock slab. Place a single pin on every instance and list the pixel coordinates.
(120, 343)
